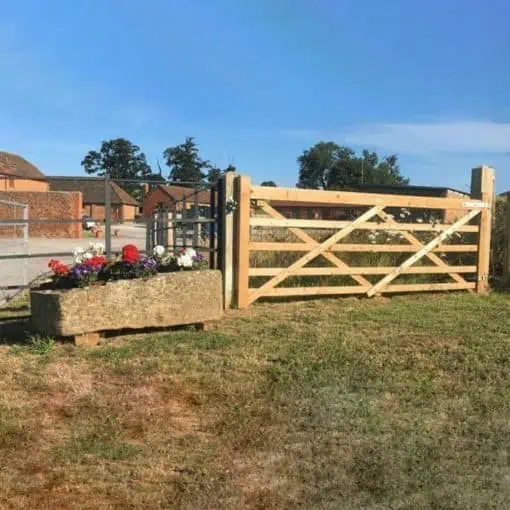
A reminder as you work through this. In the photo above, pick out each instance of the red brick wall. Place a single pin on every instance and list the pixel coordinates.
(48, 205)
(119, 212)
(129, 212)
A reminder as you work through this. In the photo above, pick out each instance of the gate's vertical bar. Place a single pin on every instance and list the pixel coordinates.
(212, 226)
(108, 217)
(482, 188)
(165, 227)
(148, 234)
(171, 229)
(196, 224)
(25, 244)
(184, 226)
(242, 260)
(175, 230)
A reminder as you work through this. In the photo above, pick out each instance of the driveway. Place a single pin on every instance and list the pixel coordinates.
(22, 271)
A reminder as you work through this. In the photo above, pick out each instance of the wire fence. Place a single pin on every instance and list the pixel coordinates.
(73, 211)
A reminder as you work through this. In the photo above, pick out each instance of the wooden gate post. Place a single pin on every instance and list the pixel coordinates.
(242, 239)
(482, 188)
(226, 238)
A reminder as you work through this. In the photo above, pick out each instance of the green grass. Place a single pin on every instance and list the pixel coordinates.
(329, 404)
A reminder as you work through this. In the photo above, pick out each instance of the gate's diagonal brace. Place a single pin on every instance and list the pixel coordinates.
(420, 254)
(301, 234)
(313, 253)
(411, 239)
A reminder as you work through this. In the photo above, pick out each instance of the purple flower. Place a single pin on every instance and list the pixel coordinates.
(148, 263)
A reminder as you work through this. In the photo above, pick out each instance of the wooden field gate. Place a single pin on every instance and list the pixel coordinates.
(257, 210)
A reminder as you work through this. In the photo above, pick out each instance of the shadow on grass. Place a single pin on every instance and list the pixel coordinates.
(15, 331)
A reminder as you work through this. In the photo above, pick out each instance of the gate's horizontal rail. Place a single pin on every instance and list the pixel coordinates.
(140, 222)
(331, 291)
(331, 271)
(348, 198)
(330, 224)
(372, 248)
(49, 255)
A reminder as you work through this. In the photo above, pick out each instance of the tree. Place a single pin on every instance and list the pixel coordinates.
(185, 163)
(230, 168)
(119, 159)
(214, 174)
(328, 165)
(271, 184)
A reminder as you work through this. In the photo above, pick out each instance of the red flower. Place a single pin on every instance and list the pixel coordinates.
(130, 253)
(58, 268)
(96, 262)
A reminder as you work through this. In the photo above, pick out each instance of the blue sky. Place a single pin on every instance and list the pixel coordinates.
(258, 81)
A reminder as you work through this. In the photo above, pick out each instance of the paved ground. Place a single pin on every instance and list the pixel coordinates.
(22, 271)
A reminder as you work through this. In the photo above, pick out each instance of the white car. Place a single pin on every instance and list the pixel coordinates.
(88, 222)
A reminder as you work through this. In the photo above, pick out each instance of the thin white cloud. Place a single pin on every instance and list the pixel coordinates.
(461, 136)
(464, 136)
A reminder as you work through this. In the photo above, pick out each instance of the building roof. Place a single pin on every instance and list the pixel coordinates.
(92, 190)
(12, 164)
(178, 193)
(395, 189)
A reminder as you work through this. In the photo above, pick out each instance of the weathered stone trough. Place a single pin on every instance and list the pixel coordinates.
(170, 299)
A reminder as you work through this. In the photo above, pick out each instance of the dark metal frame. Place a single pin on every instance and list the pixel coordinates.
(152, 224)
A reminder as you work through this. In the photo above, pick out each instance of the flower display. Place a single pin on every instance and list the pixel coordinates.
(91, 267)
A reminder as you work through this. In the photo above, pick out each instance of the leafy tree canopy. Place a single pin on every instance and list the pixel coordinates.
(185, 163)
(119, 159)
(271, 184)
(328, 165)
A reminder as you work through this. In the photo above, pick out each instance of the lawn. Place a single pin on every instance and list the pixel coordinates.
(326, 404)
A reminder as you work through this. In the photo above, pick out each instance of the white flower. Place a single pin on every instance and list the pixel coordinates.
(184, 261)
(158, 251)
(87, 255)
(78, 254)
(99, 248)
(190, 252)
(419, 220)
(402, 215)
(96, 248)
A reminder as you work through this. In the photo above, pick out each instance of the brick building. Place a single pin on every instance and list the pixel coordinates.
(22, 182)
(175, 196)
(17, 174)
(124, 206)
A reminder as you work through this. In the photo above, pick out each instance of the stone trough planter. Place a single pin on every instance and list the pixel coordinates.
(170, 299)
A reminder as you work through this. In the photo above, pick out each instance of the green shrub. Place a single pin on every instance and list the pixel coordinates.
(498, 238)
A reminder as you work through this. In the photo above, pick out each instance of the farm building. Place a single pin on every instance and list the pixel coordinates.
(17, 174)
(124, 206)
(23, 183)
(175, 196)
